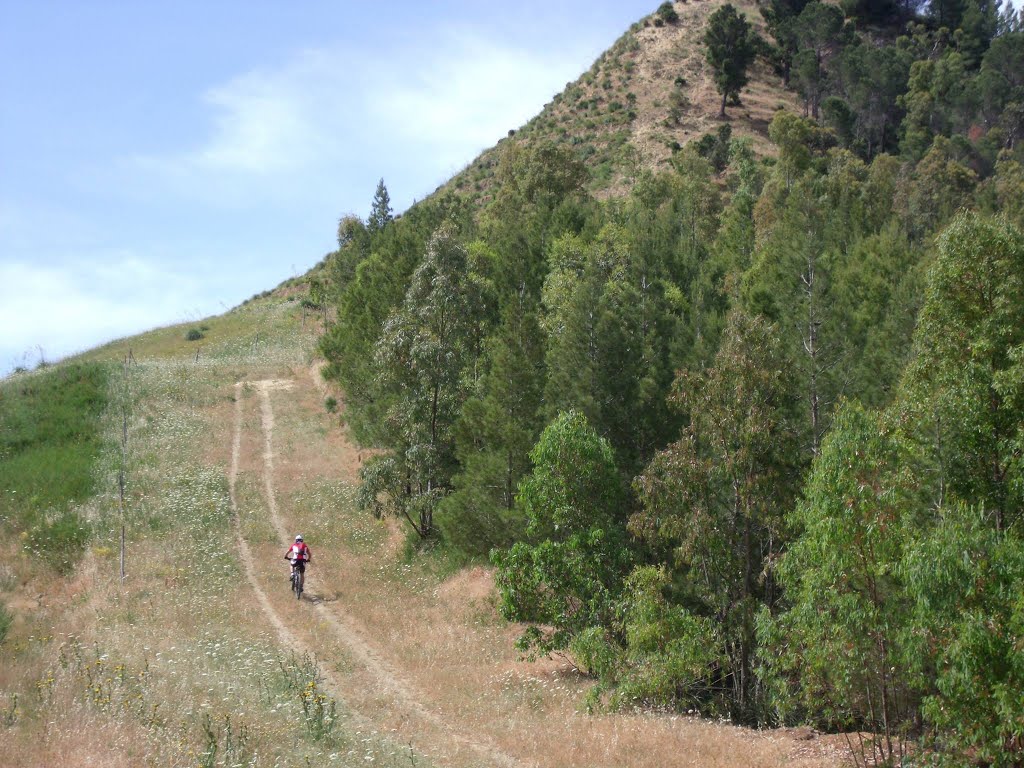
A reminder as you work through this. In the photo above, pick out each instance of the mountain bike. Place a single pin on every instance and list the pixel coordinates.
(298, 579)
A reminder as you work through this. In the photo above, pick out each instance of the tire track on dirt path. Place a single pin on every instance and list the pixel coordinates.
(286, 637)
(343, 626)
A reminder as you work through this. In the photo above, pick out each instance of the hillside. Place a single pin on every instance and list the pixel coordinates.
(202, 657)
(717, 465)
(648, 94)
(722, 416)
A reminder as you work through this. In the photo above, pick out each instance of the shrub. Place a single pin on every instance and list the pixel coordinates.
(59, 541)
(566, 579)
(6, 619)
(658, 654)
(331, 404)
(194, 334)
(470, 519)
(667, 13)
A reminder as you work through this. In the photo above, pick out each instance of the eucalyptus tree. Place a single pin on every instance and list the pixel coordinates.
(841, 652)
(425, 352)
(565, 578)
(716, 497)
(964, 389)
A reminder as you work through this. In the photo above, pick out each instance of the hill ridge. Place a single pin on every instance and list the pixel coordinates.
(648, 94)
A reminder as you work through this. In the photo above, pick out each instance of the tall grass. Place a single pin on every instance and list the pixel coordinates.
(49, 445)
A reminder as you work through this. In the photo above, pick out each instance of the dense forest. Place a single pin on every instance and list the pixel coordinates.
(749, 439)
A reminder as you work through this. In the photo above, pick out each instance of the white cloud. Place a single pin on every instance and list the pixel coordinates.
(66, 308)
(468, 92)
(258, 127)
(324, 116)
(266, 127)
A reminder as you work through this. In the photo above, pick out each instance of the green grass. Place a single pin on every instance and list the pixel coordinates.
(6, 619)
(49, 441)
(49, 445)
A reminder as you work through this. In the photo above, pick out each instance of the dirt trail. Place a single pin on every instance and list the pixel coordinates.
(461, 704)
(343, 626)
(286, 637)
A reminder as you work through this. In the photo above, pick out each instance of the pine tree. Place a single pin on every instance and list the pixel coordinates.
(817, 31)
(608, 326)
(540, 196)
(780, 17)
(380, 212)
(730, 49)
(496, 429)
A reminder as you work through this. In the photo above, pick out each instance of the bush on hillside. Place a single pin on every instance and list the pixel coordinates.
(59, 541)
(194, 334)
(667, 13)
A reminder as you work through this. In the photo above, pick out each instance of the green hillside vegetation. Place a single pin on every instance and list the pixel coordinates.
(50, 441)
(730, 422)
(732, 408)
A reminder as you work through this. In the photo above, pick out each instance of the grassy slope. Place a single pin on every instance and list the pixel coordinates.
(642, 73)
(49, 437)
(187, 657)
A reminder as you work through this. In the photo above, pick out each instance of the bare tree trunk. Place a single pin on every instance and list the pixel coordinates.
(124, 461)
(509, 495)
(811, 347)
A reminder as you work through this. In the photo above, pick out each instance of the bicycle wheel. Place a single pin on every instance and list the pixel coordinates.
(299, 578)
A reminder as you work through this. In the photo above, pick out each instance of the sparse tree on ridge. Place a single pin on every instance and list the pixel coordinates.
(380, 213)
(731, 48)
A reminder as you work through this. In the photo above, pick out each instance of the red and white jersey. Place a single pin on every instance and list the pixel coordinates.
(299, 552)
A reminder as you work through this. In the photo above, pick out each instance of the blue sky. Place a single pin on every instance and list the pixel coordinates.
(161, 162)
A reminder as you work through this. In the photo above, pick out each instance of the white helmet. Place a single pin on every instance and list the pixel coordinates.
(299, 537)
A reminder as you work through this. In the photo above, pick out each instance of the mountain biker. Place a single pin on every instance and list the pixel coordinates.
(298, 555)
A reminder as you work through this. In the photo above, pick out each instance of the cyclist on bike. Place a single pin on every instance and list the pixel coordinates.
(298, 555)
